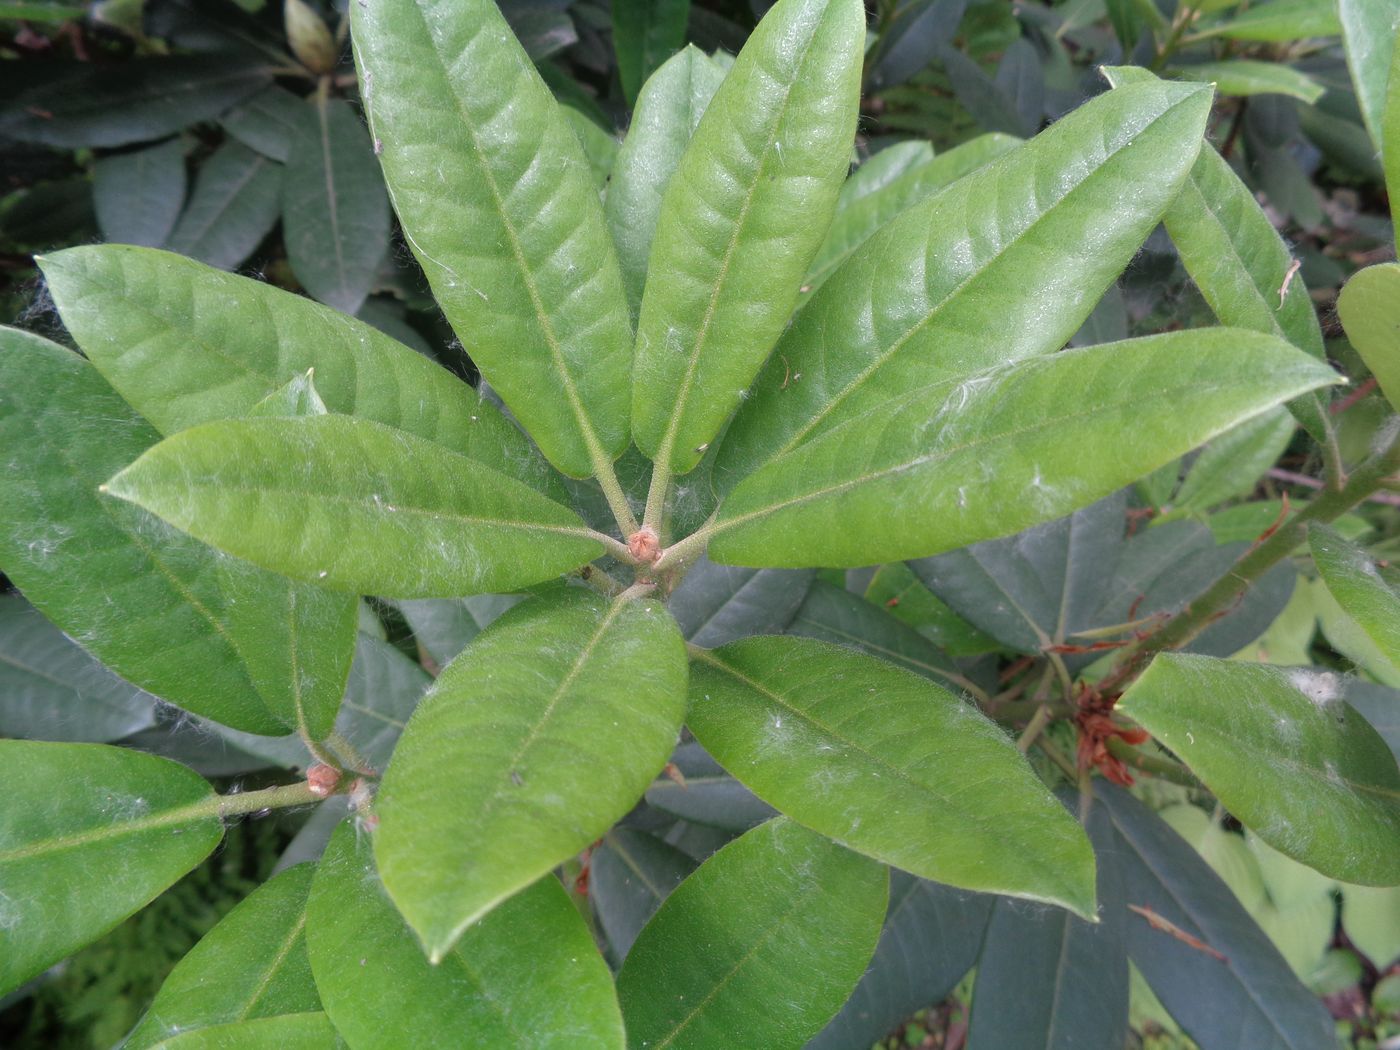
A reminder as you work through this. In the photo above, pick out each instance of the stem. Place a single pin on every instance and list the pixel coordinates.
(317, 751)
(637, 590)
(612, 492)
(616, 547)
(1038, 721)
(1223, 594)
(657, 495)
(599, 580)
(1154, 764)
(350, 755)
(268, 798)
(1054, 754)
(687, 550)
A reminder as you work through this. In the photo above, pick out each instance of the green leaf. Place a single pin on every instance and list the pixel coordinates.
(138, 194)
(1249, 998)
(308, 1031)
(266, 121)
(998, 451)
(1368, 32)
(767, 938)
(444, 626)
(252, 964)
(1284, 754)
(1049, 981)
(1246, 76)
(740, 222)
(299, 397)
(982, 292)
(1371, 918)
(89, 104)
(525, 975)
(498, 204)
(357, 506)
(1279, 21)
(73, 811)
(1357, 583)
(931, 938)
(50, 689)
(1369, 307)
(843, 742)
(599, 145)
(214, 635)
(669, 107)
(185, 345)
(629, 874)
(1390, 134)
(335, 213)
(646, 33)
(235, 204)
(859, 219)
(473, 806)
(715, 604)
(1233, 463)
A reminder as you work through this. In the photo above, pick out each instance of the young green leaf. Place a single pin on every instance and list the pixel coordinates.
(1284, 754)
(1246, 76)
(1004, 449)
(74, 810)
(235, 203)
(252, 964)
(1282, 21)
(1232, 464)
(767, 938)
(356, 506)
(497, 202)
(335, 214)
(844, 743)
(185, 345)
(1369, 307)
(1247, 998)
(525, 975)
(1356, 582)
(741, 220)
(476, 805)
(670, 106)
(978, 286)
(212, 634)
(646, 33)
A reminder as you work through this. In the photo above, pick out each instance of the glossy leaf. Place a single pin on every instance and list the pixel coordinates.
(475, 806)
(138, 195)
(998, 451)
(788, 922)
(306, 1031)
(1249, 998)
(630, 873)
(1368, 31)
(50, 689)
(740, 222)
(357, 506)
(1359, 586)
(125, 102)
(1369, 307)
(1284, 754)
(861, 218)
(1049, 981)
(497, 202)
(646, 33)
(931, 939)
(982, 292)
(669, 107)
(843, 743)
(335, 213)
(252, 964)
(1246, 76)
(526, 975)
(75, 809)
(185, 344)
(715, 604)
(833, 614)
(235, 204)
(705, 794)
(177, 631)
(879, 170)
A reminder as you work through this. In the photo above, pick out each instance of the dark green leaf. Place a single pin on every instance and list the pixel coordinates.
(73, 811)
(235, 203)
(266, 121)
(1381, 707)
(525, 975)
(715, 604)
(646, 33)
(706, 794)
(252, 964)
(138, 194)
(990, 106)
(998, 451)
(787, 922)
(497, 202)
(335, 213)
(1284, 754)
(50, 689)
(474, 806)
(916, 31)
(843, 742)
(444, 626)
(629, 875)
(1249, 998)
(357, 506)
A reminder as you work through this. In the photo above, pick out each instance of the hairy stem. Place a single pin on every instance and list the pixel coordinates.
(1154, 764)
(612, 492)
(657, 495)
(268, 798)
